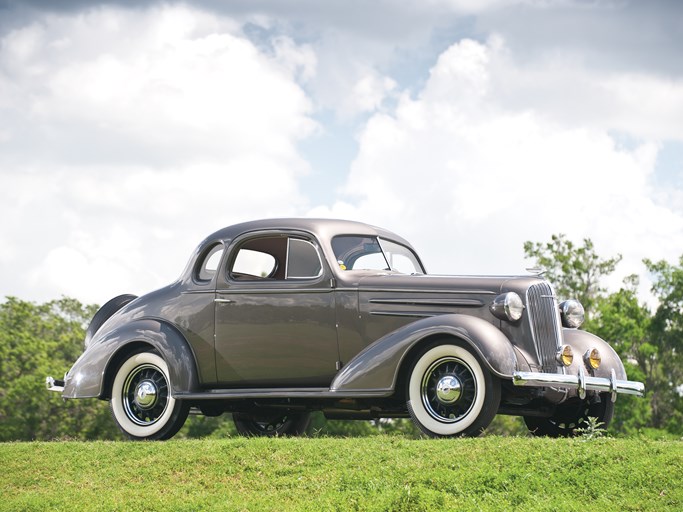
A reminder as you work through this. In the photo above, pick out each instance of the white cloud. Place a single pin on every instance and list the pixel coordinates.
(177, 83)
(129, 135)
(646, 106)
(348, 78)
(369, 92)
(126, 135)
(469, 177)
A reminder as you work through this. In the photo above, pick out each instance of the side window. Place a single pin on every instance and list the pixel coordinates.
(253, 264)
(260, 258)
(303, 261)
(209, 265)
(277, 257)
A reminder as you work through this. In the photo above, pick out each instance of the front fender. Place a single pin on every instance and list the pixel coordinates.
(582, 341)
(88, 376)
(376, 367)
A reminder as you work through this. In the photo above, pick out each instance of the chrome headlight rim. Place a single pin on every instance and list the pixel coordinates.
(508, 306)
(572, 313)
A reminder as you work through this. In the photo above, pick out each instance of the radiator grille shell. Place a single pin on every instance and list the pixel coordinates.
(544, 320)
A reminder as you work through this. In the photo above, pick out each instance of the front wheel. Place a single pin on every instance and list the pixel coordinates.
(141, 401)
(450, 393)
(271, 424)
(571, 416)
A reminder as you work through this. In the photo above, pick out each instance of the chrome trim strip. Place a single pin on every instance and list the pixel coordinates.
(420, 314)
(413, 291)
(579, 381)
(273, 290)
(430, 302)
(286, 258)
(225, 394)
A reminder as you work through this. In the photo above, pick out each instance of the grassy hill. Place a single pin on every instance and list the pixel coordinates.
(376, 473)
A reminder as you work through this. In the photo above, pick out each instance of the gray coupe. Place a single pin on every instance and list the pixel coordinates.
(274, 319)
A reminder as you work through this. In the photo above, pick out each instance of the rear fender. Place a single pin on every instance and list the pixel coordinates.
(376, 368)
(92, 374)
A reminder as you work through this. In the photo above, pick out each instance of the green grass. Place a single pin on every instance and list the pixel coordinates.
(377, 473)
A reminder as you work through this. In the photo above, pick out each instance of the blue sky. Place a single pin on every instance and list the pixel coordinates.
(130, 130)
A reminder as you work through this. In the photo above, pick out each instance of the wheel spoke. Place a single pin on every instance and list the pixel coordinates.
(145, 379)
(438, 407)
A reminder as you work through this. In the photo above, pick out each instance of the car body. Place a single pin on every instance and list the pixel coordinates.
(273, 319)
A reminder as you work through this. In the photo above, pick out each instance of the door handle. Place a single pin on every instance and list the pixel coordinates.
(223, 301)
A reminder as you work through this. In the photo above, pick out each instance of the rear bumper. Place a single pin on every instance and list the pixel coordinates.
(54, 385)
(580, 382)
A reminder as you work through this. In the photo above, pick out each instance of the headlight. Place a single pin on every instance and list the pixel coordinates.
(565, 356)
(592, 359)
(572, 313)
(508, 306)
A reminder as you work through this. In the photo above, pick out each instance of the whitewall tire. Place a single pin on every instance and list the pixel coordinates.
(450, 393)
(141, 401)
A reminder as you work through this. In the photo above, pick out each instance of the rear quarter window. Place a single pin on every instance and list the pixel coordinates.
(208, 266)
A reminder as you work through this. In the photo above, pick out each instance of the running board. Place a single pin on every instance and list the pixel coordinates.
(236, 394)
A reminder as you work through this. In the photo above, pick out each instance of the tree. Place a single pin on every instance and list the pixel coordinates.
(618, 318)
(37, 340)
(651, 346)
(575, 271)
(665, 354)
(624, 322)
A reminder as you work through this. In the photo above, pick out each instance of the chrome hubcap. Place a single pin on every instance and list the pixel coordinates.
(146, 394)
(448, 389)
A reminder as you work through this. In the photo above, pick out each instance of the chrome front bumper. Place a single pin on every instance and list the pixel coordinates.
(580, 382)
(54, 385)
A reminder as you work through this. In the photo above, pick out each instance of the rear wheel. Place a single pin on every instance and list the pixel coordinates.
(450, 393)
(141, 401)
(568, 417)
(271, 424)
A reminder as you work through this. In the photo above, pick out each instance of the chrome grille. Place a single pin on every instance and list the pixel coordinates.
(545, 324)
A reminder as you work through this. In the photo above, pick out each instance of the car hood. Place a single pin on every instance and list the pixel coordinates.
(446, 284)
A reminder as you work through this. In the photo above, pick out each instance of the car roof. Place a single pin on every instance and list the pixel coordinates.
(325, 229)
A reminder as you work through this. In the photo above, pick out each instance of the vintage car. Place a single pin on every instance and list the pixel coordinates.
(274, 319)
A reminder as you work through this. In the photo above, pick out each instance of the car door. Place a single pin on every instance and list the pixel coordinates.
(275, 314)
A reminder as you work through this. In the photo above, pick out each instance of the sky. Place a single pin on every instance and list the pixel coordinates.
(130, 130)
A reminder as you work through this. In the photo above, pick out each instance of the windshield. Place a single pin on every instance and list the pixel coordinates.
(372, 253)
